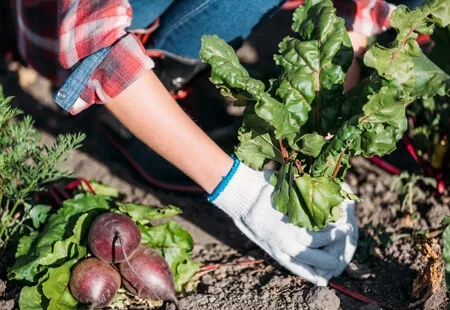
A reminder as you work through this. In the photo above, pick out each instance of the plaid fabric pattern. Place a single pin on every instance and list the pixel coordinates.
(84, 28)
(368, 17)
(87, 26)
(113, 75)
(37, 35)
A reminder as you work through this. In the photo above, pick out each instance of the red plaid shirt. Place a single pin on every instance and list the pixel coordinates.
(94, 32)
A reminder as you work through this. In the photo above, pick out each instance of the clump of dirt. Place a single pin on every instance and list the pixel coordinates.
(259, 286)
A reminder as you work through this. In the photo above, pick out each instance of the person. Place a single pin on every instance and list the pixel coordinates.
(102, 60)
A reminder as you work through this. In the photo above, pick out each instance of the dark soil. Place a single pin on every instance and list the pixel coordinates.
(384, 274)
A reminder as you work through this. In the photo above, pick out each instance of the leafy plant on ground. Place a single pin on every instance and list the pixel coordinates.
(371, 237)
(44, 259)
(26, 166)
(409, 188)
(302, 119)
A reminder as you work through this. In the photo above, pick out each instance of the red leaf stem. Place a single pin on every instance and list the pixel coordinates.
(440, 188)
(284, 153)
(86, 182)
(73, 184)
(332, 284)
(54, 195)
(298, 164)
(62, 192)
(354, 294)
(242, 263)
(384, 165)
(416, 157)
(338, 165)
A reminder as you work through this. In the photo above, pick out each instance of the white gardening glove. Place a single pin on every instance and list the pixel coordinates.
(246, 196)
(345, 248)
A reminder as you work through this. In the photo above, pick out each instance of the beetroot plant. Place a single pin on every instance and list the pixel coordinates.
(53, 263)
(303, 120)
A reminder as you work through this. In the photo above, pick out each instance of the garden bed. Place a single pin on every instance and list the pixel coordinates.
(385, 275)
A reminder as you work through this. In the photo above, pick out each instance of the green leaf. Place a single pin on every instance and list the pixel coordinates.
(308, 202)
(380, 140)
(39, 214)
(314, 66)
(84, 202)
(445, 221)
(282, 195)
(374, 132)
(311, 144)
(384, 107)
(228, 72)
(30, 298)
(429, 79)
(404, 60)
(28, 265)
(185, 271)
(346, 142)
(144, 214)
(56, 287)
(68, 226)
(101, 189)
(321, 198)
(170, 240)
(175, 245)
(25, 244)
(257, 144)
(61, 249)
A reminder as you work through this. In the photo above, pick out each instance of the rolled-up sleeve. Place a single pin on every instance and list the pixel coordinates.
(103, 58)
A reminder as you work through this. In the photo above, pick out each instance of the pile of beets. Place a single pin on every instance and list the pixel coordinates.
(115, 241)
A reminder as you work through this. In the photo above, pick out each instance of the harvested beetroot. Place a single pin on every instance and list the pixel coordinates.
(148, 275)
(94, 282)
(111, 235)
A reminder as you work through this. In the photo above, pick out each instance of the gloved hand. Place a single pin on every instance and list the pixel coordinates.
(246, 196)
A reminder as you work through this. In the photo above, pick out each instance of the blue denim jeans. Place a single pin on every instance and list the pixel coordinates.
(183, 22)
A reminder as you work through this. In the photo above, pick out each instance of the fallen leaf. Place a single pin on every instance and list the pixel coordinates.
(430, 277)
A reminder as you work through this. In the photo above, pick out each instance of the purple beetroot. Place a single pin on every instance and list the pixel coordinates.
(112, 235)
(94, 282)
(148, 275)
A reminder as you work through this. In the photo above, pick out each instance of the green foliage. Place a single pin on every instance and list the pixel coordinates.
(409, 188)
(143, 214)
(371, 237)
(175, 245)
(25, 167)
(100, 189)
(300, 121)
(44, 259)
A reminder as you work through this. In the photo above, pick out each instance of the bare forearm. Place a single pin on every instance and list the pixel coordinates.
(359, 43)
(150, 113)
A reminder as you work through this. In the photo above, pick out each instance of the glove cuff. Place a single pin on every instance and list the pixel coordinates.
(238, 190)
